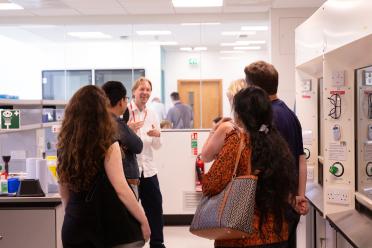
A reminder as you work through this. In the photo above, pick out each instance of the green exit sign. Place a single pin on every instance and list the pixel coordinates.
(193, 61)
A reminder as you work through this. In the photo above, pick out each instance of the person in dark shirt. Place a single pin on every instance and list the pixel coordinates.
(265, 75)
(181, 115)
(129, 142)
(100, 209)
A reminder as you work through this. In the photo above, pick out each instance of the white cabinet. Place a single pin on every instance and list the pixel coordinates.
(30, 227)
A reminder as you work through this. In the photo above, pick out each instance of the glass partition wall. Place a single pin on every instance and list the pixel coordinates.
(198, 60)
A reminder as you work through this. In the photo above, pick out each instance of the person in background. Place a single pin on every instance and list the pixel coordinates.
(216, 120)
(129, 142)
(265, 75)
(146, 124)
(158, 107)
(165, 124)
(125, 117)
(87, 153)
(268, 156)
(181, 115)
(235, 87)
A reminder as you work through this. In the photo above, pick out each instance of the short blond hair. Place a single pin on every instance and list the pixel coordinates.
(236, 86)
(139, 81)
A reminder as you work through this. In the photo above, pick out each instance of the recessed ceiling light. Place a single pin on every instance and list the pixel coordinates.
(200, 49)
(37, 26)
(89, 35)
(237, 33)
(231, 51)
(248, 48)
(229, 44)
(154, 32)
(254, 28)
(10, 6)
(196, 3)
(249, 42)
(188, 49)
(164, 43)
(244, 42)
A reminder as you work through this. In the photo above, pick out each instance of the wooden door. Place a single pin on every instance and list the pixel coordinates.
(205, 98)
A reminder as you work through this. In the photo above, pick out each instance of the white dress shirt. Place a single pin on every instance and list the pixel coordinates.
(145, 158)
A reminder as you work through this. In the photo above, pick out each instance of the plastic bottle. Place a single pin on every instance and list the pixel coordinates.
(3, 185)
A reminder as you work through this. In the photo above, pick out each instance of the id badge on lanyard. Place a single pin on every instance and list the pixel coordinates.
(134, 116)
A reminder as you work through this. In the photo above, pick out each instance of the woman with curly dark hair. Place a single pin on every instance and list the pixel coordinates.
(270, 159)
(90, 171)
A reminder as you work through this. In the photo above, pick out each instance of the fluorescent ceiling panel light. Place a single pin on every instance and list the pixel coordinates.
(254, 28)
(196, 3)
(186, 49)
(229, 44)
(249, 42)
(89, 35)
(231, 51)
(244, 42)
(248, 48)
(200, 49)
(10, 6)
(37, 26)
(237, 33)
(210, 23)
(164, 43)
(154, 32)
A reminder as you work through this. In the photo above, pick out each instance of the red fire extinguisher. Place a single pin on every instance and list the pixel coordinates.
(199, 168)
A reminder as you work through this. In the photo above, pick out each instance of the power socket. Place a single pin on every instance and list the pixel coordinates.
(310, 173)
(338, 196)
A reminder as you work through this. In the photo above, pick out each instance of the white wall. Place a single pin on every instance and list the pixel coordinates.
(22, 63)
(283, 23)
(210, 66)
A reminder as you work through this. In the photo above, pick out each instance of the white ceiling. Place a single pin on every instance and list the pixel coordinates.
(139, 7)
(115, 18)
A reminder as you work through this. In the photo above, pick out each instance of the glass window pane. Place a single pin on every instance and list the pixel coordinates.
(61, 85)
(53, 85)
(126, 76)
(76, 79)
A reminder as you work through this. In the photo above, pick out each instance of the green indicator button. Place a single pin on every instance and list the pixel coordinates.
(333, 170)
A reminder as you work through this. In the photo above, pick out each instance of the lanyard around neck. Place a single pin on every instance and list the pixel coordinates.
(134, 117)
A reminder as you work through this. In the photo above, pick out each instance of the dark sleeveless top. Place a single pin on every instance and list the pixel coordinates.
(97, 218)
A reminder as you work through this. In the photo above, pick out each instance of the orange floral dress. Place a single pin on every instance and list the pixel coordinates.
(220, 175)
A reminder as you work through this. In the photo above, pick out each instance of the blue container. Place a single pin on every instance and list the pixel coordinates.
(13, 184)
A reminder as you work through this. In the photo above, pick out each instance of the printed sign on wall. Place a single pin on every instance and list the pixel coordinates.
(194, 144)
(10, 119)
(337, 151)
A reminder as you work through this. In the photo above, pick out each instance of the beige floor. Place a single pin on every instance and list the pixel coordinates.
(180, 237)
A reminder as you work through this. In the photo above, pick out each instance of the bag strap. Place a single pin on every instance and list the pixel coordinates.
(241, 147)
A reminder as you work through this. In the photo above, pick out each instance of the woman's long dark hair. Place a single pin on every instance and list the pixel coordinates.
(270, 155)
(86, 134)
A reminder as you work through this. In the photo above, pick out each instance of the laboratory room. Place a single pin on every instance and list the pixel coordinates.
(182, 123)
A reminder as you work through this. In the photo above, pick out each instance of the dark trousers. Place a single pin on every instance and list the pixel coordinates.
(294, 219)
(151, 200)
